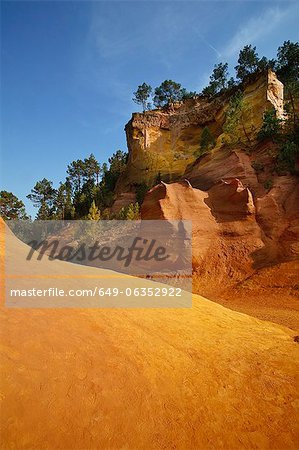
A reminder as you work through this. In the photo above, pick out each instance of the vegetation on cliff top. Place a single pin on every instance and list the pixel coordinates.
(284, 132)
(88, 190)
(167, 93)
(286, 65)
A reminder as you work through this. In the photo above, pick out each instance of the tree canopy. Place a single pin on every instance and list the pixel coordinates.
(168, 92)
(11, 207)
(42, 196)
(288, 61)
(142, 95)
(248, 62)
(207, 140)
(219, 80)
(87, 189)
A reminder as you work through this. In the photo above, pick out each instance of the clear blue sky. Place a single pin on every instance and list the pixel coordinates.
(68, 70)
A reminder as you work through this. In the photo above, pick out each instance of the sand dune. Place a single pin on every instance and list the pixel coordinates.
(199, 378)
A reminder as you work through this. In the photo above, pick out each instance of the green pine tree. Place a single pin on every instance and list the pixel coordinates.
(235, 119)
(248, 62)
(218, 80)
(130, 212)
(207, 140)
(167, 93)
(11, 207)
(43, 196)
(94, 212)
(271, 127)
(142, 95)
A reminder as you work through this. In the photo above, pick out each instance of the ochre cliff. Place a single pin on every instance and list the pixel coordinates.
(163, 144)
(225, 233)
(243, 252)
(244, 211)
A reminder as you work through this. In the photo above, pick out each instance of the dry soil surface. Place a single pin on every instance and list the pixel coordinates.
(199, 378)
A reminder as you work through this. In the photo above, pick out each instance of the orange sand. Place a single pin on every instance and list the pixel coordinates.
(199, 378)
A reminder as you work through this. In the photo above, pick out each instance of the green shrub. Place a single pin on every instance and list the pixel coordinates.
(286, 157)
(258, 167)
(235, 126)
(289, 151)
(271, 127)
(105, 215)
(130, 212)
(207, 140)
(268, 184)
(94, 212)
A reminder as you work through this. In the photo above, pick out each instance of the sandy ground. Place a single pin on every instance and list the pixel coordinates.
(269, 294)
(199, 378)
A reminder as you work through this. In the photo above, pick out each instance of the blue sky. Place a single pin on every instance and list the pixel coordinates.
(68, 70)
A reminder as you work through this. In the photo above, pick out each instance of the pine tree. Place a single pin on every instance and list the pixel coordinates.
(207, 140)
(271, 127)
(44, 212)
(288, 72)
(91, 169)
(142, 95)
(43, 196)
(288, 61)
(69, 211)
(218, 80)
(133, 211)
(94, 212)
(186, 95)
(234, 119)
(141, 190)
(11, 207)
(76, 172)
(130, 212)
(117, 165)
(248, 62)
(167, 93)
(63, 206)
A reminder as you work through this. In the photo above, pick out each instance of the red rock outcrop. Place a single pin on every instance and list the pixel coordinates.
(232, 237)
(278, 216)
(225, 163)
(224, 231)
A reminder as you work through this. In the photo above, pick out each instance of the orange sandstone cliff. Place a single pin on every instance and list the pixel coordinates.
(165, 142)
(245, 213)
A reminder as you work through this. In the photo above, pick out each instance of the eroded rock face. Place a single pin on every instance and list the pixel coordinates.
(278, 216)
(245, 216)
(232, 237)
(167, 143)
(229, 198)
(223, 164)
(224, 230)
(275, 94)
